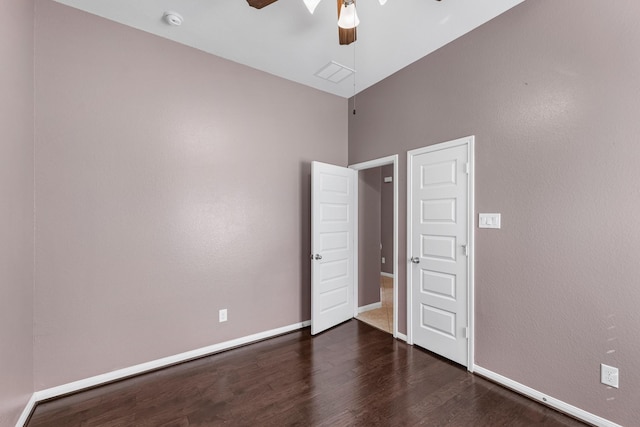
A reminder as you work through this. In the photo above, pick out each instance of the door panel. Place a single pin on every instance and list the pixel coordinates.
(438, 206)
(438, 284)
(438, 247)
(333, 198)
(438, 211)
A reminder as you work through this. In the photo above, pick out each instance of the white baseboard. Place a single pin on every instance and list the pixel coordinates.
(149, 366)
(27, 411)
(370, 307)
(402, 337)
(387, 275)
(544, 399)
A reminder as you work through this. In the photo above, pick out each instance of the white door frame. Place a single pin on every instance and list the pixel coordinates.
(469, 141)
(389, 160)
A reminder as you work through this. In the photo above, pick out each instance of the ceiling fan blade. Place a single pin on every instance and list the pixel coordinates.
(345, 36)
(259, 4)
(311, 5)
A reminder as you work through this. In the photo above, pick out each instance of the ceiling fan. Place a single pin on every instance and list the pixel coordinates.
(347, 17)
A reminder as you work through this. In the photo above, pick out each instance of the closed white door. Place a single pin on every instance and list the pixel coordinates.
(439, 247)
(333, 222)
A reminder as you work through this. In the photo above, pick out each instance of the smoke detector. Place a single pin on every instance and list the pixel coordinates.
(172, 18)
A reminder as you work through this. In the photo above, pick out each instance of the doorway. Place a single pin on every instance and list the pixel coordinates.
(376, 290)
(334, 248)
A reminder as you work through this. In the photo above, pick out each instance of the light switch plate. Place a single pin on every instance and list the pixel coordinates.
(489, 220)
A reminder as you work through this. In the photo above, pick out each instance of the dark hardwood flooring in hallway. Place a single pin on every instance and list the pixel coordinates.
(351, 375)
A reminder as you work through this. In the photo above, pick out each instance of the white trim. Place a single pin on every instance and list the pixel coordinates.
(370, 307)
(382, 273)
(408, 268)
(370, 164)
(356, 269)
(26, 412)
(389, 160)
(544, 399)
(396, 236)
(469, 141)
(402, 337)
(161, 363)
(471, 266)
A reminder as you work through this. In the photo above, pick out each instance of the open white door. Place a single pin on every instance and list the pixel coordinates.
(439, 209)
(333, 222)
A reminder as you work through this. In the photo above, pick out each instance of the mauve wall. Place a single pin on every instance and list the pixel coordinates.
(368, 236)
(551, 89)
(169, 184)
(16, 210)
(386, 219)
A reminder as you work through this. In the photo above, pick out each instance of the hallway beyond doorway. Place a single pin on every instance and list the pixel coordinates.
(381, 318)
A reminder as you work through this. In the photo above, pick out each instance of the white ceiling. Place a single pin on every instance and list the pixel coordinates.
(284, 39)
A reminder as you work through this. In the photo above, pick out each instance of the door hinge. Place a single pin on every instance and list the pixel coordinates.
(467, 168)
(465, 249)
(465, 332)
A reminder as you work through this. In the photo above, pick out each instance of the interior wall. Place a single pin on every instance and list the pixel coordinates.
(166, 189)
(16, 210)
(386, 219)
(369, 236)
(551, 90)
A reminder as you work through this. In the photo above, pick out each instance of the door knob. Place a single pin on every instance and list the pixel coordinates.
(318, 256)
(415, 260)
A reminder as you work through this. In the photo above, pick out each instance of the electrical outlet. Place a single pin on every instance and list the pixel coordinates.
(222, 315)
(383, 260)
(609, 375)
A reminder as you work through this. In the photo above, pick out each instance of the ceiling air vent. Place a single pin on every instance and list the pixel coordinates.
(334, 72)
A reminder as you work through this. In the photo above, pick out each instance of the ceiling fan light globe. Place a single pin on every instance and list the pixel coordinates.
(348, 16)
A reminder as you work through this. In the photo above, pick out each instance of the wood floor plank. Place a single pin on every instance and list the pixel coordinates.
(351, 375)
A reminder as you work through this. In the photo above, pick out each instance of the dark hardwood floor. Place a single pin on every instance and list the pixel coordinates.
(351, 375)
